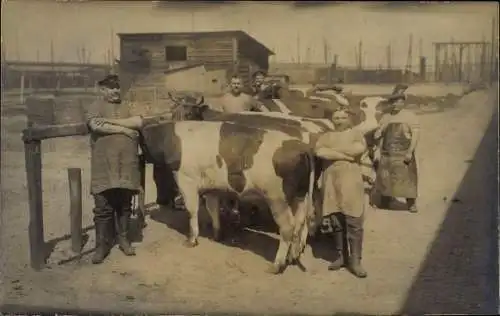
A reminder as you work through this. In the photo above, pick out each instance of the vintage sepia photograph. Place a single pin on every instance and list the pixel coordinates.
(249, 157)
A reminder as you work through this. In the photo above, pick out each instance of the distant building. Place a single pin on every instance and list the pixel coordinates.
(146, 59)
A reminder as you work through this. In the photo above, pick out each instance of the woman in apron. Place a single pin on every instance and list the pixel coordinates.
(397, 137)
(343, 190)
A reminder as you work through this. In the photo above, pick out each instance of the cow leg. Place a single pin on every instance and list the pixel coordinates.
(212, 205)
(283, 217)
(301, 228)
(189, 191)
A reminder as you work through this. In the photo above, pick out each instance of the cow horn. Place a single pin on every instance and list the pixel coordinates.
(172, 97)
(200, 100)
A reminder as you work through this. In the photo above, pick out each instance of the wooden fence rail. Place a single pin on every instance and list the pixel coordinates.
(32, 138)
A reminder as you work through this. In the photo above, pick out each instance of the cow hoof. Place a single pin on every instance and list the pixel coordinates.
(190, 243)
(218, 237)
(274, 269)
(235, 240)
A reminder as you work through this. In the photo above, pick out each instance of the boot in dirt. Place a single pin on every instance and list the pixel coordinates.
(123, 225)
(339, 251)
(356, 247)
(103, 231)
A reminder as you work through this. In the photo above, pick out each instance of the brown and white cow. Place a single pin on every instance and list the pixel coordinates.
(214, 159)
(307, 129)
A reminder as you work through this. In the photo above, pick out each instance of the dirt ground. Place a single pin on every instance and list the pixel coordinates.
(416, 263)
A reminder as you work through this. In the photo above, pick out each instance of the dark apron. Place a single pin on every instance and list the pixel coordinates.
(114, 158)
(396, 178)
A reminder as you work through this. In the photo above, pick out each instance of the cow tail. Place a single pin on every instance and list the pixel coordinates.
(302, 224)
(310, 203)
(306, 224)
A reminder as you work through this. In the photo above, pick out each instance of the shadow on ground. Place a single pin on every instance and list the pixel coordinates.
(250, 238)
(460, 272)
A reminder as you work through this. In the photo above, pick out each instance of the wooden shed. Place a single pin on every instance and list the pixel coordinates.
(144, 55)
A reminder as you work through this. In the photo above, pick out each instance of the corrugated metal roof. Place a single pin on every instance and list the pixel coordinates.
(236, 33)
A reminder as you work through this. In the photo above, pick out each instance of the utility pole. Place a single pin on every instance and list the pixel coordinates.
(410, 56)
(18, 57)
(112, 48)
(420, 48)
(360, 55)
(389, 56)
(325, 51)
(298, 48)
(51, 51)
(493, 66)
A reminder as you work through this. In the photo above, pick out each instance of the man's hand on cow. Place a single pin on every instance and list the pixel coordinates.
(318, 150)
(99, 121)
(408, 157)
(131, 133)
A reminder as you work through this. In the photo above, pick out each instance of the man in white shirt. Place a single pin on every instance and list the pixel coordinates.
(236, 100)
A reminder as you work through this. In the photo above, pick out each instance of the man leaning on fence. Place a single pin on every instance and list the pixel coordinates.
(115, 175)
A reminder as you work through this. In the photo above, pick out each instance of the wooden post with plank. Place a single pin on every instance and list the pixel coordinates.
(32, 137)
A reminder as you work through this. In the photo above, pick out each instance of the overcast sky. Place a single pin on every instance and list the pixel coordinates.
(28, 26)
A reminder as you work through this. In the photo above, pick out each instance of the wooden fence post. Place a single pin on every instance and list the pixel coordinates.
(75, 197)
(142, 193)
(33, 160)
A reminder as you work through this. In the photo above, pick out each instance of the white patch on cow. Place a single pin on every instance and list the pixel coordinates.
(339, 98)
(200, 164)
(282, 106)
(311, 127)
(258, 174)
(313, 97)
(270, 114)
(369, 107)
(326, 122)
(306, 137)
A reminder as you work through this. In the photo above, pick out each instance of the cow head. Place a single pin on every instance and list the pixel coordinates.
(189, 107)
(271, 90)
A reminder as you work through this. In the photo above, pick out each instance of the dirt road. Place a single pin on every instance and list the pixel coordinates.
(439, 260)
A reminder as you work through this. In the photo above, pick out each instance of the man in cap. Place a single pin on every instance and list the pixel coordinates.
(115, 175)
(262, 90)
(397, 138)
(258, 82)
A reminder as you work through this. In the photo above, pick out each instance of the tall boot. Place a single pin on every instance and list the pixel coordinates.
(385, 202)
(355, 238)
(340, 251)
(412, 205)
(123, 225)
(103, 231)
